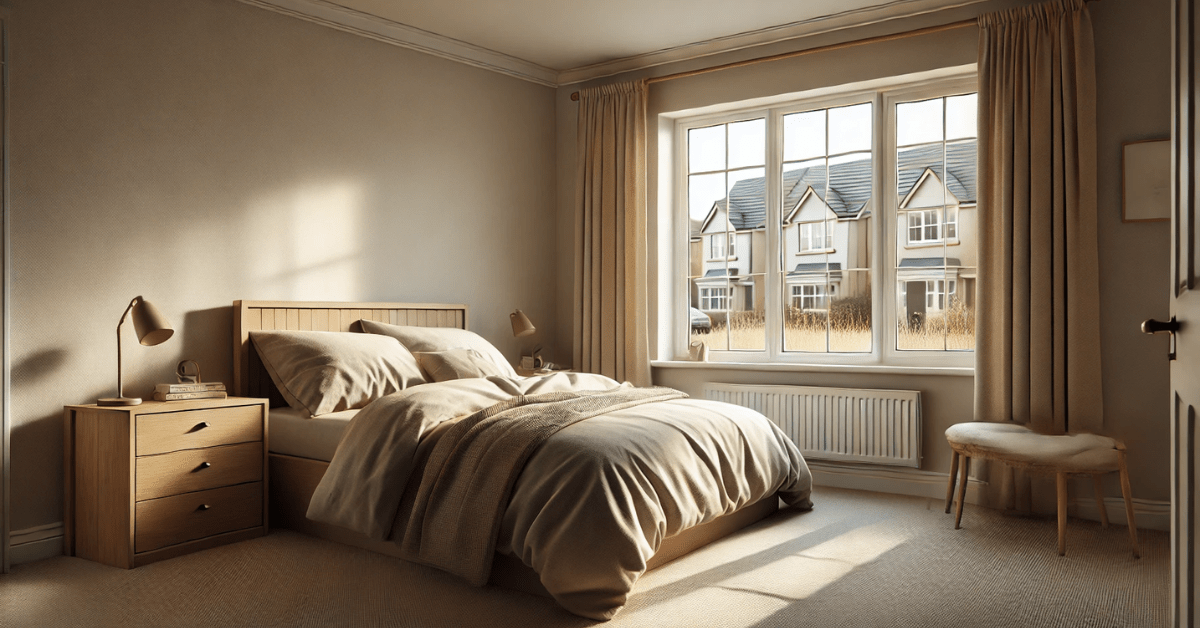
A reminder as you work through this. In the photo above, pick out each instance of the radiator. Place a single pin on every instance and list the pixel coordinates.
(875, 426)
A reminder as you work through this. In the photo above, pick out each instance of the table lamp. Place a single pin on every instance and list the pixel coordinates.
(521, 324)
(152, 328)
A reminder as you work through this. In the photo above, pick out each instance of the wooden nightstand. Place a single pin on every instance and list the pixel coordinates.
(164, 478)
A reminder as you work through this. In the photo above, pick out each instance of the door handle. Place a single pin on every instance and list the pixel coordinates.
(1151, 326)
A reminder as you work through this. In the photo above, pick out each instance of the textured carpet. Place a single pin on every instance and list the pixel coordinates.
(858, 559)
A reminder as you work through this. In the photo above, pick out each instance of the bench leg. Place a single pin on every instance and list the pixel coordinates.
(950, 486)
(1128, 495)
(1100, 500)
(962, 488)
(1062, 514)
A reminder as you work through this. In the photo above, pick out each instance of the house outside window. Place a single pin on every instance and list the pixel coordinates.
(824, 200)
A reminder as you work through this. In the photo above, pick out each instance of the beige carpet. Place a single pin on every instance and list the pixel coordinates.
(858, 559)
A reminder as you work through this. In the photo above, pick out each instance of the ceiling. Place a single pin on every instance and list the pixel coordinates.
(557, 42)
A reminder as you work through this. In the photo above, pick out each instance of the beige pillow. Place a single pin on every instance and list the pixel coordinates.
(433, 339)
(440, 366)
(319, 372)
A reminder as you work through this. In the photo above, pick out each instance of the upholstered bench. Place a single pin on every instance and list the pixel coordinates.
(1018, 446)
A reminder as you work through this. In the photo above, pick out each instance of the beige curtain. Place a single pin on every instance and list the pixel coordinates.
(611, 315)
(1037, 328)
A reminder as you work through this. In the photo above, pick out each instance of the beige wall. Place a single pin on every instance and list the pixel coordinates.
(202, 151)
(1132, 40)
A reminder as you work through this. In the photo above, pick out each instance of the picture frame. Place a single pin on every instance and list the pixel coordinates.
(1146, 181)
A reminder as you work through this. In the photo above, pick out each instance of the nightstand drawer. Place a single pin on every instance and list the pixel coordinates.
(173, 431)
(198, 469)
(171, 520)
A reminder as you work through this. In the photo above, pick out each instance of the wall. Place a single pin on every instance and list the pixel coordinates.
(202, 151)
(1132, 42)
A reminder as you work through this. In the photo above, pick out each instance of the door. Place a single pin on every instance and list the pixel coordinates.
(1185, 308)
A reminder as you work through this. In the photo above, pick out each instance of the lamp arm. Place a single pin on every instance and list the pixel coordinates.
(120, 387)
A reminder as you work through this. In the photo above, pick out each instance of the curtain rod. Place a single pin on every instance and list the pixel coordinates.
(827, 48)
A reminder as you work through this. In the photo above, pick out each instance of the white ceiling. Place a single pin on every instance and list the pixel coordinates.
(556, 42)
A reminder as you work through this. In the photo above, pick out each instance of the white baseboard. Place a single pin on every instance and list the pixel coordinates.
(30, 544)
(1150, 515)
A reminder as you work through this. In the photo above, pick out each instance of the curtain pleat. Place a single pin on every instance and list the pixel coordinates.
(1038, 334)
(611, 311)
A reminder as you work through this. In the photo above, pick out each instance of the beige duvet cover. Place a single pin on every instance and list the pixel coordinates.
(605, 473)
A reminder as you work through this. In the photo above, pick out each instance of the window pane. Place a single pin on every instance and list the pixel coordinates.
(704, 190)
(919, 122)
(806, 309)
(706, 149)
(708, 313)
(850, 129)
(848, 222)
(748, 143)
(747, 316)
(914, 188)
(962, 116)
(850, 311)
(920, 316)
(961, 315)
(803, 135)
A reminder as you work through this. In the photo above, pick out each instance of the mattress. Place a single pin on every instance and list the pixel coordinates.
(295, 434)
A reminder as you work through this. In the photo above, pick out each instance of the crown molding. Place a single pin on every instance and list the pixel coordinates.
(380, 29)
(895, 10)
(397, 34)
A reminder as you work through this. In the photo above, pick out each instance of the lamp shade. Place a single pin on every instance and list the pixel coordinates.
(150, 325)
(521, 324)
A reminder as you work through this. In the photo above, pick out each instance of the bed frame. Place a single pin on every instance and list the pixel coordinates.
(294, 479)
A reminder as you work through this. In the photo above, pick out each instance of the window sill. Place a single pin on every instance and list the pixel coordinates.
(949, 371)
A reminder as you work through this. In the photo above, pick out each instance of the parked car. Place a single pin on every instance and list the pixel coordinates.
(700, 320)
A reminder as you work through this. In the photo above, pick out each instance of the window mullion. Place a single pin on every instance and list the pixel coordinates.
(773, 299)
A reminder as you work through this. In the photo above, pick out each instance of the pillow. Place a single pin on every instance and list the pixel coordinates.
(319, 372)
(431, 339)
(440, 366)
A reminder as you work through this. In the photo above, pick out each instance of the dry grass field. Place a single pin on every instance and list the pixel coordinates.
(847, 329)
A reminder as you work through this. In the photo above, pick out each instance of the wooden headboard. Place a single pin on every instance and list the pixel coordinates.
(250, 379)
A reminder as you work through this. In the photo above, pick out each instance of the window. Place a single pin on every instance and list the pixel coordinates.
(855, 219)
(811, 297)
(714, 299)
(814, 238)
(722, 245)
(925, 226)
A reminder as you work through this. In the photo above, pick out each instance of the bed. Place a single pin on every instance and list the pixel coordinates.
(303, 447)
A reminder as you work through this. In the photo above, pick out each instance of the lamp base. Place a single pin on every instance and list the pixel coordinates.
(119, 401)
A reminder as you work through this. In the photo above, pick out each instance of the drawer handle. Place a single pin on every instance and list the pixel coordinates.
(204, 507)
(199, 426)
(201, 466)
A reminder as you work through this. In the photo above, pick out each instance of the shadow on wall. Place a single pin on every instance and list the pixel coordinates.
(36, 367)
(207, 338)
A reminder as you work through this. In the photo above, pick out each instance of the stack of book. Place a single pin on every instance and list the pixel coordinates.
(181, 392)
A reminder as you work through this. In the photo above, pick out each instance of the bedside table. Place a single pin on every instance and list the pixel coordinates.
(148, 482)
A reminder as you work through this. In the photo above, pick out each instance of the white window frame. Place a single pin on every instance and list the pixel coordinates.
(882, 239)
(729, 252)
(826, 244)
(709, 295)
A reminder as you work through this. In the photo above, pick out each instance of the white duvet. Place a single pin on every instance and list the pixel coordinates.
(590, 505)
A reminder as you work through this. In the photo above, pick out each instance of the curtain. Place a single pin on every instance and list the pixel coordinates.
(611, 312)
(1037, 328)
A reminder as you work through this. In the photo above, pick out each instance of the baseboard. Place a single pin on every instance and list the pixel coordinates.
(1150, 514)
(895, 480)
(30, 544)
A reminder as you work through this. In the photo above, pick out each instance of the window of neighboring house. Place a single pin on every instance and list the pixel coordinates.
(722, 245)
(882, 170)
(926, 226)
(809, 297)
(814, 237)
(714, 299)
